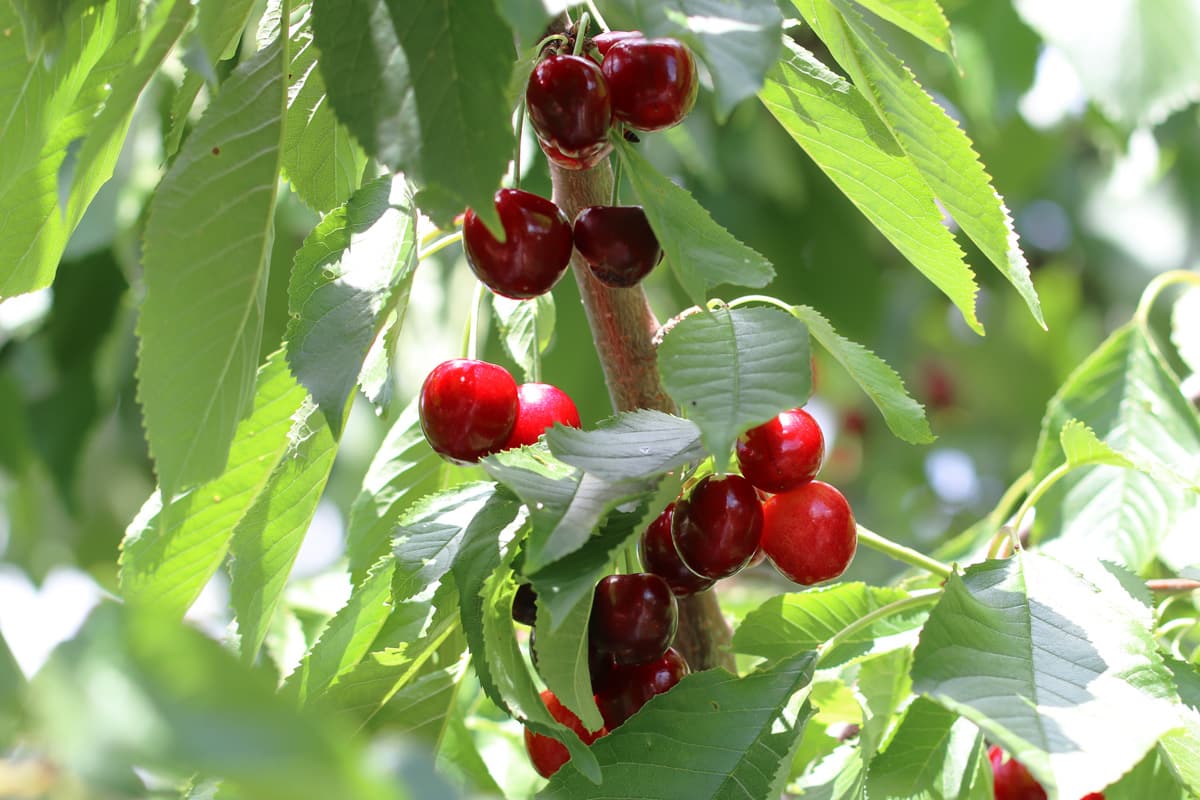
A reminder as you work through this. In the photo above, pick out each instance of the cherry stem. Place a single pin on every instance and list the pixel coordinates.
(902, 553)
(554, 37)
(1155, 288)
(470, 343)
(439, 244)
(616, 190)
(591, 4)
(517, 147)
(915, 600)
(581, 33)
(535, 370)
(1031, 499)
(1172, 585)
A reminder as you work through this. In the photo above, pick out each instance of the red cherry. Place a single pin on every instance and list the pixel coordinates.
(540, 405)
(617, 243)
(570, 108)
(603, 41)
(809, 533)
(633, 617)
(467, 408)
(717, 526)
(659, 556)
(535, 251)
(1010, 779)
(783, 452)
(547, 753)
(653, 82)
(627, 688)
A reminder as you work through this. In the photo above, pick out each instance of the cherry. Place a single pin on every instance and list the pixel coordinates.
(783, 452)
(571, 110)
(809, 533)
(1010, 779)
(547, 753)
(627, 688)
(617, 243)
(467, 408)
(633, 617)
(524, 605)
(535, 251)
(653, 82)
(717, 526)
(540, 405)
(604, 41)
(659, 556)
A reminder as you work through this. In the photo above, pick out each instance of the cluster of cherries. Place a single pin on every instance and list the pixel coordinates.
(624, 81)
(1012, 781)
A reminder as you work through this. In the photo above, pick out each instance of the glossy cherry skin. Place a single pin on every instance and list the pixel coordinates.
(467, 408)
(633, 617)
(539, 406)
(604, 41)
(717, 526)
(652, 81)
(809, 533)
(548, 754)
(570, 108)
(524, 605)
(659, 556)
(617, 243)
(534, 253)
(783, 452)
(627, 688)
(1010, 779)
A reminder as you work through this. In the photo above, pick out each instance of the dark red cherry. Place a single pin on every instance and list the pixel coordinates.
(629, 687)
(540, 405)
(1010, 779)
(604, 41)
(548, 754)
(570, 108)
(783, 452)
(524, 605)
(659, 556)
(809, 533)
(652, 81)
(534, 253)
(717, 526)
(633, 617)
(617, 243)
(467, 408)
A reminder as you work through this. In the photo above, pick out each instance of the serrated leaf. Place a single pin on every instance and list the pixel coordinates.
(268, 538)
(732, 369)
(404, 469)
(203, 311)
(562, 650)
(1081, 447)
(737, 41)
(841, 775)
(1153, 777)
(793, 623)
(376, 377)
(633, 444)
(1048, 663)
(422, 85)
(841, 132)
(923, 19)
(1160, 72)
(711, 735)
(904, 416)
(1185, 328)
(700, 252)
(933, 141)
(885, 687)
(529, 18)
(934, 755)
(342, 281)
(526, 329)
(168, 557)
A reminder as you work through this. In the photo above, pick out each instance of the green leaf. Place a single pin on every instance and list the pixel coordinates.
(841, 132)
(923, 19)
(932, 140)
(736, 41)
(700, 252)
(904, 416)
(529, 18)
(1048, 663)
(934, 754)
(712, 735)
(633, 444)
(884, 687)
(404, 469)
(321, 160)
(347, 637)
(376, 378)
(838, 776)
(267, 540)
(12, 690)
(562, 649)
(732, 369)
(422, 85)
(1160, 69)
(526, 329)
(342, 280)
(793, 623)
(1151, 778)
(201, 320)
(1185, 328)
(1081, 447)
(168, 557)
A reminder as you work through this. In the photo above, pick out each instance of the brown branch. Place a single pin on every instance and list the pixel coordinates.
(623, 328)
(1172, 585)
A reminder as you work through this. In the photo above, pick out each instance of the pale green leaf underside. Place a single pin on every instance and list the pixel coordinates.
(921, 18)
(841, 132)
(634, 444)
(1048, 663)
(207, 244)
